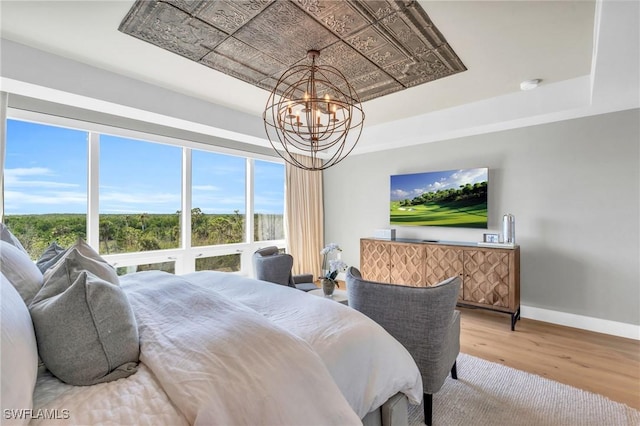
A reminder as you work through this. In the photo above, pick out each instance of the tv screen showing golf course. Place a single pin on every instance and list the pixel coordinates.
(455, 198)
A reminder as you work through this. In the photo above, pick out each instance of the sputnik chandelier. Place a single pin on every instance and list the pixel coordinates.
(315, 112)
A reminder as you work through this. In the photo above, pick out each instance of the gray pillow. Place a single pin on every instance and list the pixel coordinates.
(78, 258)
(20, 270)
(50, 256)
(86, 330)
(6, 235)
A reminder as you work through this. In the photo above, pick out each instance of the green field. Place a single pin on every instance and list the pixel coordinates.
(462, 214)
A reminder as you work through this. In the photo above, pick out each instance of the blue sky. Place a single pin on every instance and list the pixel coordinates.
(412, 185)
(46, 172)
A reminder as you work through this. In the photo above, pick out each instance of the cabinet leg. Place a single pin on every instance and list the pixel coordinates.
(515, 317)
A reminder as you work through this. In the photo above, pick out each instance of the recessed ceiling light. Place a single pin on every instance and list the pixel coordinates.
(530, 84)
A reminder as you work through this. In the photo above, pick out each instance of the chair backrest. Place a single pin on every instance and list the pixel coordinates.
(271, 265)
(421, 318)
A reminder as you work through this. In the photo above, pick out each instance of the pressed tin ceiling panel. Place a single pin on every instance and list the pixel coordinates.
(381, 46)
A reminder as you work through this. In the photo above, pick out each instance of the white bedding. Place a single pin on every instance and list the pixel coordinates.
(223, 363)
(222, 349)
(136, 400)
(368, 365)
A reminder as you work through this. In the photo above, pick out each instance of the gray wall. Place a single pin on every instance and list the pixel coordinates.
(573, 186)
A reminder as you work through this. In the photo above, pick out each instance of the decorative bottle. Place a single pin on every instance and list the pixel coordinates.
(509, 229)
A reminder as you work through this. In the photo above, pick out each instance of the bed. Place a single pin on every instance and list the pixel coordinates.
(214, 348)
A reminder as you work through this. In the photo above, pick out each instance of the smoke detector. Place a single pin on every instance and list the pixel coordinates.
(530, 84)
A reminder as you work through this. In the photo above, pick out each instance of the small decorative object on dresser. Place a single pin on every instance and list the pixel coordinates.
(385, 234)
(508, 229)
(491, 238)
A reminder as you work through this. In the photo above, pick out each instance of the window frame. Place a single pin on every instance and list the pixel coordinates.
(184, 256)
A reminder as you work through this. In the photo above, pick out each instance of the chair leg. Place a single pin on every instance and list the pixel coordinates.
(454, 371)
(428, 408)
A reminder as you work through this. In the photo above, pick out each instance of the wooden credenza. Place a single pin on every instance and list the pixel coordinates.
(490, 276)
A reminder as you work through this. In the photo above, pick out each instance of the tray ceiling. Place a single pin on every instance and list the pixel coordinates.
(380, 46)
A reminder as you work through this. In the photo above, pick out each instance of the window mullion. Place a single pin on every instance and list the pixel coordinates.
(93, 189)
(4, 101)
(245, 261)
(188, 261)
(249, 237)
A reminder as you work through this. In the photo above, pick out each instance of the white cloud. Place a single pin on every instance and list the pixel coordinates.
(39, 184)
(27, 171)
(140, 198)
(458, 178)
(15, 178)
(205, 188)
(19, 201)
(437, 186)
(467, 176)
(399, 194)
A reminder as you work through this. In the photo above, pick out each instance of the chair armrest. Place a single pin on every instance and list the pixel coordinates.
(303, 278)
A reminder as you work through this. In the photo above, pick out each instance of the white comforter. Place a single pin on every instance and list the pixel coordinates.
(217, 348)
(368, 365)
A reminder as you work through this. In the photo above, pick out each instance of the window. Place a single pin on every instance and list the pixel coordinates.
(140, 187)
(122, 191)
(218, 199)
(169, 267)
(268, 201)
(45, 193)
(225, 263)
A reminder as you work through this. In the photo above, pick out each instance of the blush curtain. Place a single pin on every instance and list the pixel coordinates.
(305, 217)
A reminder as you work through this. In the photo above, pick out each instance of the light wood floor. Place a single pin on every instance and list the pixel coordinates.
(598, 363)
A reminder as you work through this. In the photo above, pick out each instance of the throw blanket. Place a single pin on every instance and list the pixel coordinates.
(368, 365)
(223, 363)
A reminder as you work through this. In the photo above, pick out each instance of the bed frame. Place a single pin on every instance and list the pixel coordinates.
(394, 412)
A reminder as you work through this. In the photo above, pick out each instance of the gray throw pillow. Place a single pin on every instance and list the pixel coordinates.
(78, 258)
(20, 270)
(6, 235)
(50, 256)
(86, 330)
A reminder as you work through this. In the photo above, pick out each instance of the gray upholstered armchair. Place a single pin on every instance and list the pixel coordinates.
(271, 265)
(423, 319)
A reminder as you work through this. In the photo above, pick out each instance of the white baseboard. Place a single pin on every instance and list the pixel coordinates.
(621, 329)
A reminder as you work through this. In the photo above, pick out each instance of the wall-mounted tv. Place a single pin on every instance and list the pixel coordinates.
(456, 198)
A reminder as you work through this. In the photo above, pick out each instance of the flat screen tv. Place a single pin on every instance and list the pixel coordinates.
(456, 198)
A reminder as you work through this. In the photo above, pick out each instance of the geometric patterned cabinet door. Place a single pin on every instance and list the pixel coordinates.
(492, 280)
(443, 262)
(375, 264)
(486, 277)
(408, 264)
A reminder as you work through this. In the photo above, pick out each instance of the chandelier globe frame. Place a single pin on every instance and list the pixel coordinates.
(315, 112)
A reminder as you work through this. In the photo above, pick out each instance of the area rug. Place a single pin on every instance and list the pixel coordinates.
(487, 393)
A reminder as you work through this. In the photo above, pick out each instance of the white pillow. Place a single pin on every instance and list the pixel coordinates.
(20, 270)
(19, 361)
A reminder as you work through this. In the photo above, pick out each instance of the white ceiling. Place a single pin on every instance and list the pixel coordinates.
(586, 52)
(501, 43)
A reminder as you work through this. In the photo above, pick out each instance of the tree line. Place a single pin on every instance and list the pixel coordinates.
(463, 193)
(128, 233)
